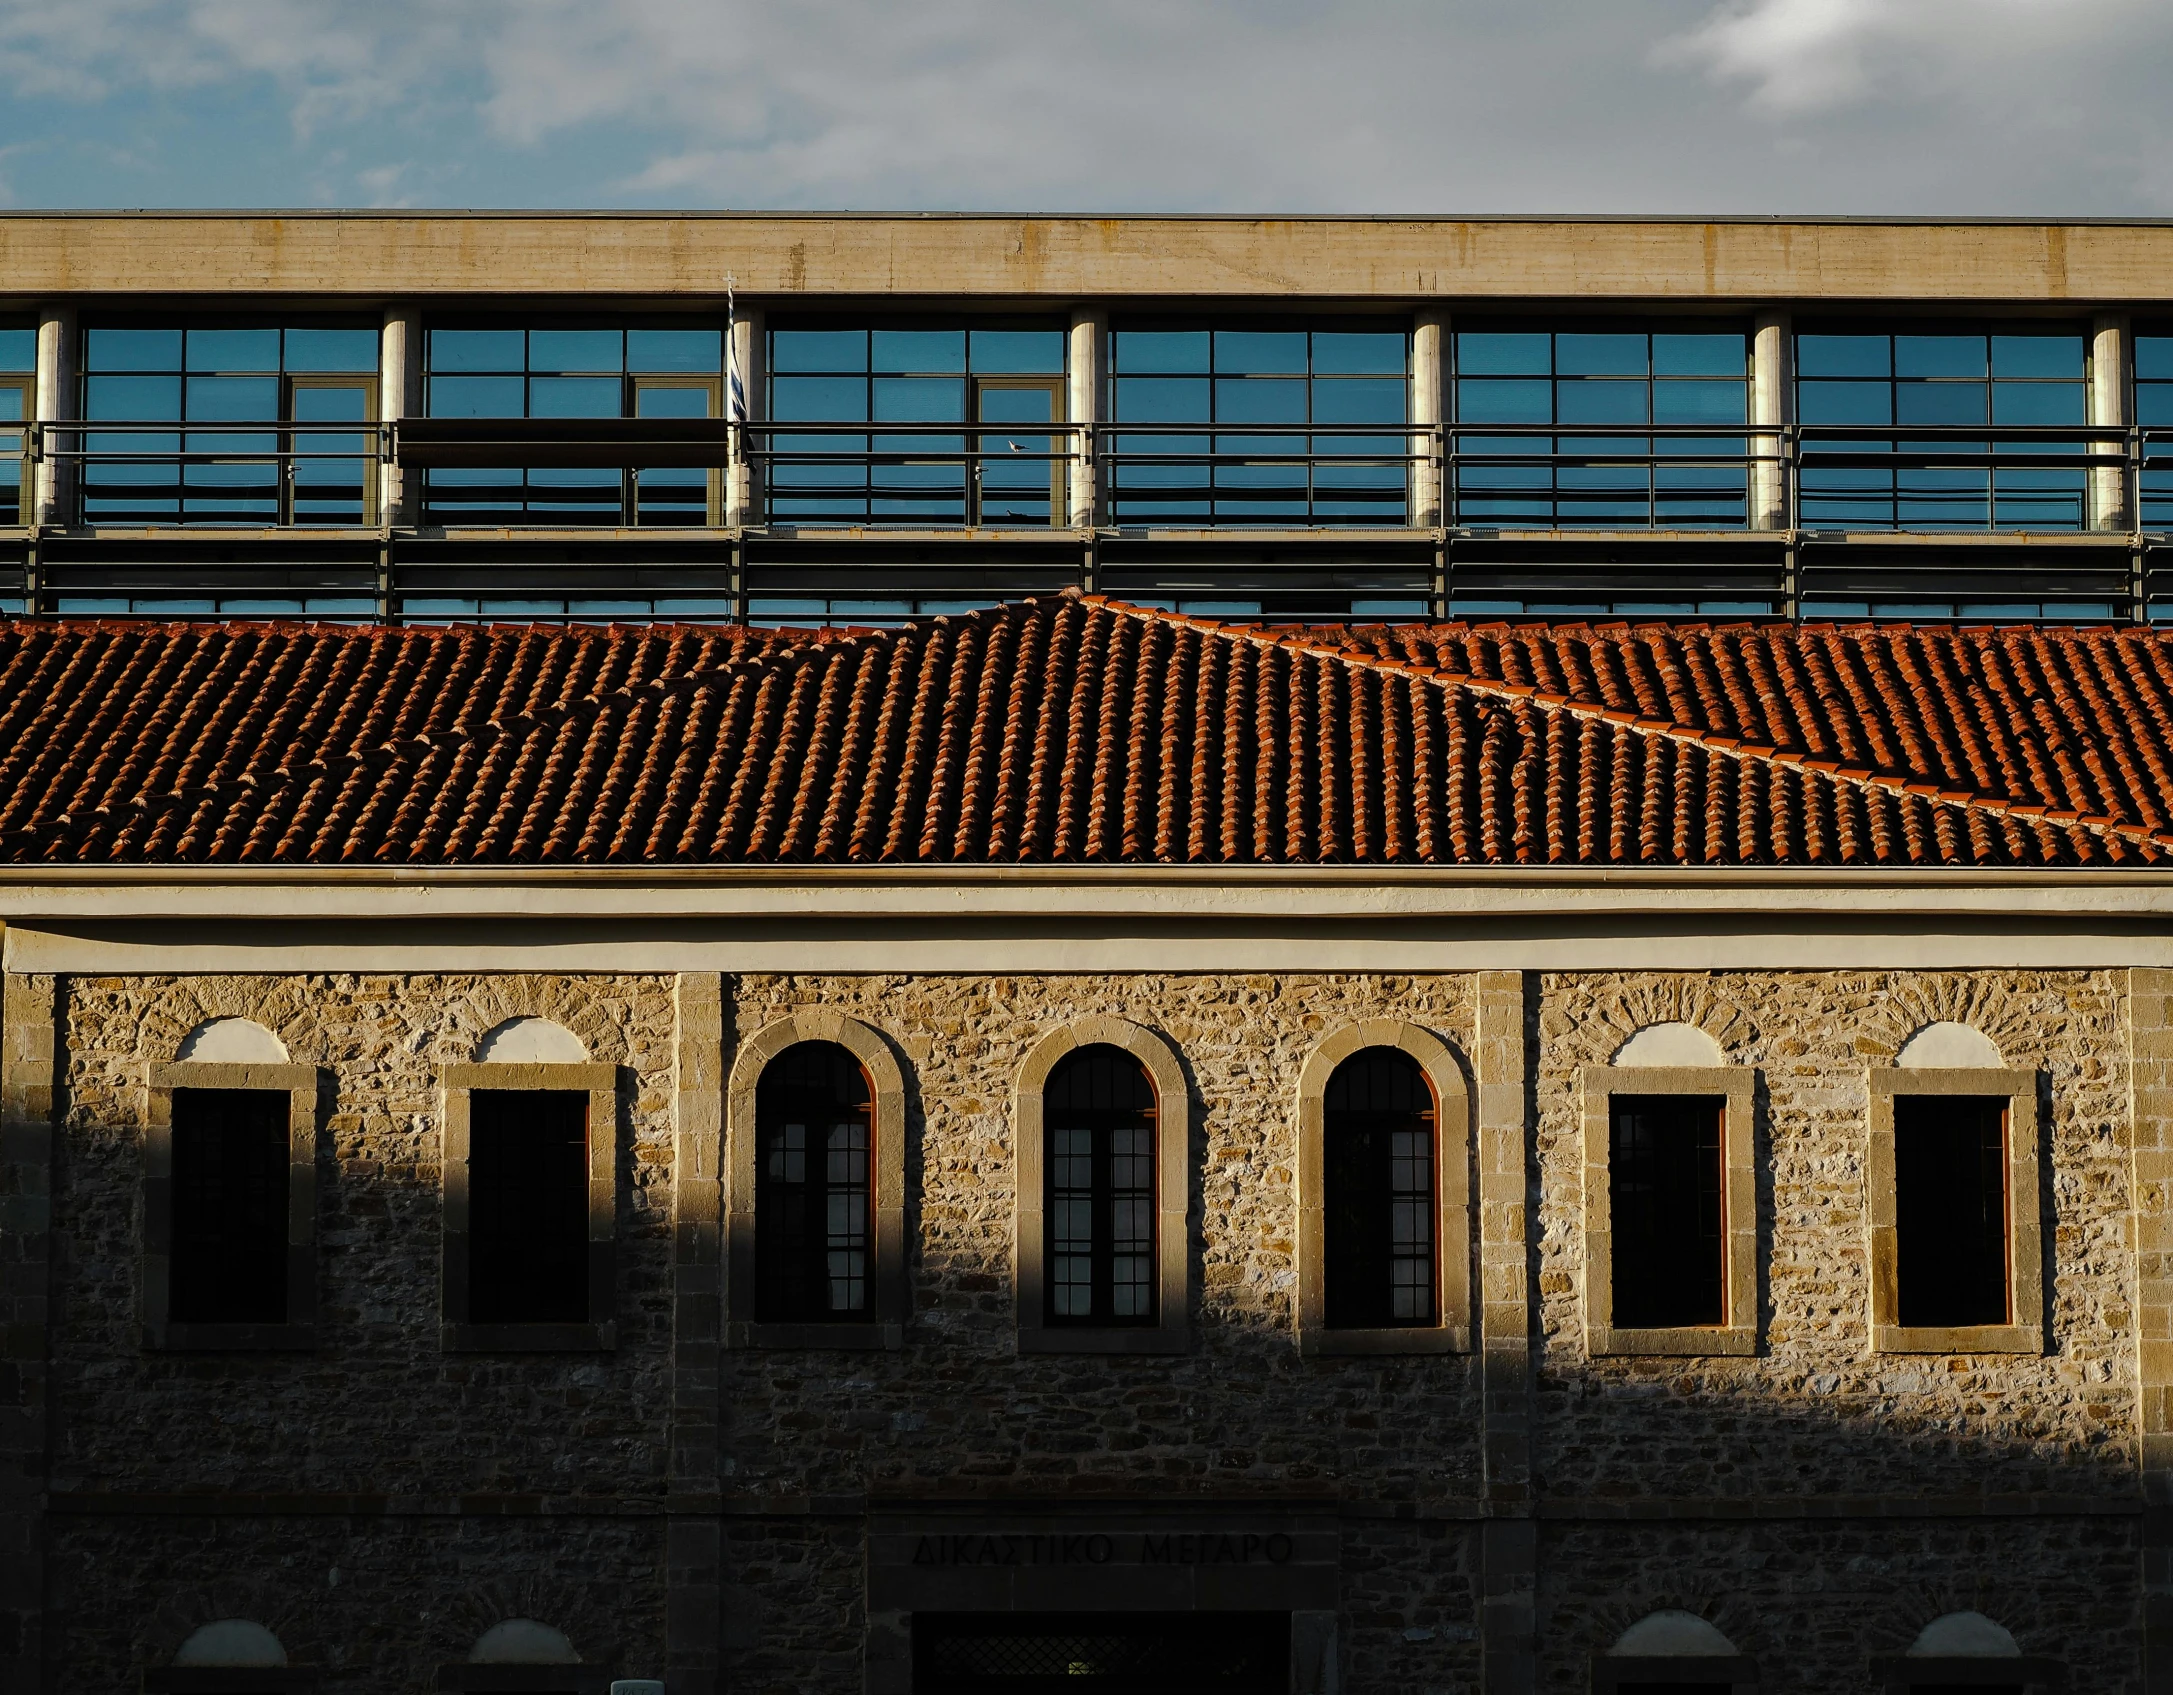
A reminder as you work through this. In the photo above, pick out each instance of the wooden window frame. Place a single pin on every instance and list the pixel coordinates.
(1451, 1330)
(2024, 1333)
(713, 387)
(1171, 1333)
(600, 1082)
(366, 383)
(1737, 1086)
(299, 1084)
(887, 1293)
(26, 495)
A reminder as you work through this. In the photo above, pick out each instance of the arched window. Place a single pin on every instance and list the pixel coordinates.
(1098, 1118)
(815, 1142)
(1379, 1205)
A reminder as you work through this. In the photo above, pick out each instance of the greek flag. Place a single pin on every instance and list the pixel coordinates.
(735, 391)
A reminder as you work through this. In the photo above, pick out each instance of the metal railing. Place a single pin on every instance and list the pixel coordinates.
(916, 474)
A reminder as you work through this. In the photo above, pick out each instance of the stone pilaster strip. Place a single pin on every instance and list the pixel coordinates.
(2150, 1039)
(28, 1086)
(693, 1542)
(1509, 1541)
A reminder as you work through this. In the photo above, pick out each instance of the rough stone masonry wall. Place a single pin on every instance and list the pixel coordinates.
(956, 1411)
(1814, 1413)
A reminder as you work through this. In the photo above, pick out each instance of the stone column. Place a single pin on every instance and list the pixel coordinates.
(1509, 1535)
(1429, 406)
(53, 501)
(1773, 404)
(743, 477)
(694, 1533)
(1089, 374)
(2111, 351)
(399, 395)
(27, 1089)
(2150, 1058)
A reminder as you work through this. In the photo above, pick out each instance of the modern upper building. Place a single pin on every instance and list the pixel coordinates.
(977, 956)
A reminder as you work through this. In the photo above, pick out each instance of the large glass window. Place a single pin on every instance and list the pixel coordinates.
(2154, 412)
(1657, 414)
(1916, 397)
(1098, 1114)
(1377, 1166)
(1270, 426)
(815, 1136)
(261, 410)
(18, 394)
(496, 372)
(964, 410)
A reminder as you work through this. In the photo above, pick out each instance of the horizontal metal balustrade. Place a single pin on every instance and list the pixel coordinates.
(873, 523)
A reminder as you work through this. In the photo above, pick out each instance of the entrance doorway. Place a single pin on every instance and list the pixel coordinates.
(1107, 1653)
(1019, 476)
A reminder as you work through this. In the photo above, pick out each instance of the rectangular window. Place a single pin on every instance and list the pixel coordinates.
(228, 1239)
(2154, 412)
(228, 426)
(1951, 1215)
(1667, 1216)
(18, 399)
(571, 373)
(1894, 428)
(1260, 426)
(1658, 416)
(927, 385)
(1101, 1224)
(528, 1201)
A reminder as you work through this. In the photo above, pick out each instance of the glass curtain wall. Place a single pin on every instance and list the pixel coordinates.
(963, 415)
(210, 414)
(1671, 403)
(594, 372)
(1916, 397)
(18, 397)
(2154, 412)
(1272, 426)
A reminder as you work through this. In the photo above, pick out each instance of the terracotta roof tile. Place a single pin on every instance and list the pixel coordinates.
(1075, 730)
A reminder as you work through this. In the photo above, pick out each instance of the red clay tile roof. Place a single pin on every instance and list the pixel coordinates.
(1073, 730)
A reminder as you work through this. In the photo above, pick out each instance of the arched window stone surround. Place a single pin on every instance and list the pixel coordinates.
(528, 1040)
(1918, 1071)
(1452, 1165)
(887, 1290)
(1737, 1087)
(298, 1083)
(232, 1656)
(1171, 1333)
(1965, 1648)
(1672, 1647)
(521, 1653)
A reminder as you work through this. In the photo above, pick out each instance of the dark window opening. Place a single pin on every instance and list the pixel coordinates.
(1099, 1117)
(1377, 1168)
(815, 1130)
(528, 1206)
(1664, 1172)
(1118, 1653)
(1950, 1195)
(229, 1241)
(1965, 1689)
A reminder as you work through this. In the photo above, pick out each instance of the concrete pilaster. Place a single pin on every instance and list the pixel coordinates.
(1429, 406)
(53, 499)
(2150, 1049)
(27, 1090)
(1509, 1550)
(1772, 404)
(693, 1553)
(2111, 357)
(743, 477)
(399, 395)
(1089, 369)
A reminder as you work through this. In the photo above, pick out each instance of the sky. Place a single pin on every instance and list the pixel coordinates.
(1930, 107)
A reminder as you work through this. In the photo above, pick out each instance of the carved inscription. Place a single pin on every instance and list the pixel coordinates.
(1189, 1548)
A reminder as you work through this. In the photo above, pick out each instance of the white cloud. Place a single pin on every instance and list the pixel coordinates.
(1219, 105)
